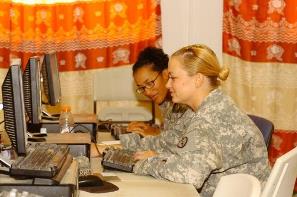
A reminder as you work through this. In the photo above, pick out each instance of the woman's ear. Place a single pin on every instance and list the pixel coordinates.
(199, 79)
(165, 74)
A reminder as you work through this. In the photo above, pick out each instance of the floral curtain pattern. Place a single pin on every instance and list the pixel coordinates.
(260, 47)
(85, 34)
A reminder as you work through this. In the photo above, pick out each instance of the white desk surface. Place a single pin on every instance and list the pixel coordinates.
(131, 185)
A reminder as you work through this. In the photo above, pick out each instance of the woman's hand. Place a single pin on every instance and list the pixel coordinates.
(140, 155)
(143, 129)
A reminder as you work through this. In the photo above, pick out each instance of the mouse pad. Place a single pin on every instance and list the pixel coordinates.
(106, 187)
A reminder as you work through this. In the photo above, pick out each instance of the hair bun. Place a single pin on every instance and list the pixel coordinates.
(224, 73)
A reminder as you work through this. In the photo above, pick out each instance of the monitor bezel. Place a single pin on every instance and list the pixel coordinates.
(19, 140)
(50, 64)
(34, 94)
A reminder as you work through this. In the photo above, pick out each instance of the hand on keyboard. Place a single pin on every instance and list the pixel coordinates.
(143, 129)
(117, 130)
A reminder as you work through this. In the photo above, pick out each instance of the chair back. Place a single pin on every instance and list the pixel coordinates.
(235, 185)
(283, 176)
(265, 126)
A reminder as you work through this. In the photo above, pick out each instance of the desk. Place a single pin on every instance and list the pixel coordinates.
(79, 143)
(131, 185)
(84, 122)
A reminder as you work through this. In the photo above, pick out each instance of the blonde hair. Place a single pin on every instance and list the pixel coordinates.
(199, 58)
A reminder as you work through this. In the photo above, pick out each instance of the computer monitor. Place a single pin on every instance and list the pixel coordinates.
(14, 109)
(51, 80)
(32, 90)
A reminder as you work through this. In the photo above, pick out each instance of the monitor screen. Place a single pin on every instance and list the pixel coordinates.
(32, 90)
(14, 109)
(51, 80)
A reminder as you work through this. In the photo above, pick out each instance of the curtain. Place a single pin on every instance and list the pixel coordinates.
(86, 34)
(260, 47)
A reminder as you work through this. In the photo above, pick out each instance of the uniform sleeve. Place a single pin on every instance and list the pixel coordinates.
(133, 141)
(192, 166)
(130, 141)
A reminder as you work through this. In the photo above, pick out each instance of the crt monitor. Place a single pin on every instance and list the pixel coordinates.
(51, 80)
(14, 109)
(32, 90)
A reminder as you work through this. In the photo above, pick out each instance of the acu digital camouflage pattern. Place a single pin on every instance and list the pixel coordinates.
(221, 140)
(172, 128)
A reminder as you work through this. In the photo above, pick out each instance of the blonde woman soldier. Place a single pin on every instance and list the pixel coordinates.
(220, 138)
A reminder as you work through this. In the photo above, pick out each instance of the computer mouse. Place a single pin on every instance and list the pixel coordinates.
(89, 181)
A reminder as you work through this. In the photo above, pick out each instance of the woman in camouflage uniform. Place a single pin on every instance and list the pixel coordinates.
(219, 140)
(150, 75)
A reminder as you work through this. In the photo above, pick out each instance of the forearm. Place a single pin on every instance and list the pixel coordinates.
(176, 169)
(133, 141)
(130, 141)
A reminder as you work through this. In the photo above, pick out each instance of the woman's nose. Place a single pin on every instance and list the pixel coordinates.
(168, 84)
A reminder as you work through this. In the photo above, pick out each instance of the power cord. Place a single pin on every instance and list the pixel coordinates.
(80, 125)
(86, 128)
(97, 149)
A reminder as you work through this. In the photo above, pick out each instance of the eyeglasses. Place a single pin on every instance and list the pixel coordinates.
(148, 85)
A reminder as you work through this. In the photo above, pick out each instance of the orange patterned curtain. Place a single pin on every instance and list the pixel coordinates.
(260, 47)
(85, 34)
(261, 31)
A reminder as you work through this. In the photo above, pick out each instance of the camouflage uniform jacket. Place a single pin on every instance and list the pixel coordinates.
(221, 140)
(174, 124)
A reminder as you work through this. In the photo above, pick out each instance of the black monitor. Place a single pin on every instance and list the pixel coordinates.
(14, 109)
(51, 80)
(32, 90)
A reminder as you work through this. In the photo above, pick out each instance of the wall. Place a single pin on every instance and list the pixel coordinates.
(187, 22)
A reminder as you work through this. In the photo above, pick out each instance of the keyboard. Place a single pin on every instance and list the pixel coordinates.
(42, 160)
(118, 159)
(118, 129)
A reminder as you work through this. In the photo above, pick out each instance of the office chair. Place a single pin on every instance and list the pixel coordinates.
(266, 127)
(280, 183)
(235, 185)
(283, 176)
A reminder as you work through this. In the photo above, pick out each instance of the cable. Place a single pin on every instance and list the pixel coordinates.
(88, 131)
(81, 125)
(97, 149)
(72, 130)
